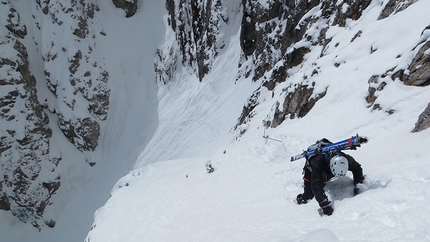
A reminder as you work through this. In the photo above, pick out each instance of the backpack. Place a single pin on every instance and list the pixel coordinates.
(318, 145)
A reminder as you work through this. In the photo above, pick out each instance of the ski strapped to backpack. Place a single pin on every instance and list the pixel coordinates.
(347, 144)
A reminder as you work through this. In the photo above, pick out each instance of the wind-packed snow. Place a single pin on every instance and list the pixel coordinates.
(197, 179)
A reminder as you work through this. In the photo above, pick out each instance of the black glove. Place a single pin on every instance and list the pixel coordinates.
(301, 199)
(359, 180)
(326, 207)
(356, 190)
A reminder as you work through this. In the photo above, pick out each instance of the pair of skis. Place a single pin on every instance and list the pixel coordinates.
(346, 144)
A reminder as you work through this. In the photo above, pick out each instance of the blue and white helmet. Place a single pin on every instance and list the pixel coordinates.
(338, 166)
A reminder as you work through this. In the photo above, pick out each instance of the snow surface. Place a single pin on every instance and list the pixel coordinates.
(172, 194)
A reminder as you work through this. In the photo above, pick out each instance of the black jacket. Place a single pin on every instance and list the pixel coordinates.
(317, 173)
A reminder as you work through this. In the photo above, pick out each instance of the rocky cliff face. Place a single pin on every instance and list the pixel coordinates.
(71, 94)
(275, 37)
(284, 25)
(196, 25)
(25, 148)
(82, 79)
(64, 38)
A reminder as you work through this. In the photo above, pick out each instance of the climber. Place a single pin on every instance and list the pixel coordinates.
(320, 168)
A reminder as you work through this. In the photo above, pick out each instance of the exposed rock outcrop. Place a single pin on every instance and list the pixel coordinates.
(395, 6)
(248, 110)
(196, 26)
(269, 36)
(269, 32)
(84, 77)
(24, 152)
(349, 10)
(297, 104)
(423, 121)
(419, 69)
(417, 74)
(80, 100)
(376, 84)
(129, 6)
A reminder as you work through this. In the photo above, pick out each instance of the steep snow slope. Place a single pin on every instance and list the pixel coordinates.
(199, 180)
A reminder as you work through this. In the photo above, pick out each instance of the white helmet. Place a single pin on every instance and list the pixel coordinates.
(338, 166)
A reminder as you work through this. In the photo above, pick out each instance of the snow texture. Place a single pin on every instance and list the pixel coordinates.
(198, 179)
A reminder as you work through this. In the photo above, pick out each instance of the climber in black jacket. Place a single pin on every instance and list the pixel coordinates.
(322, 167)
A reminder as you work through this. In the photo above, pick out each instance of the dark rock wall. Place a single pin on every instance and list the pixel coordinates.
(75, 77)
(25, 134)
(423, 121)
(83, 74)
(129, 6)
(268, 36)
(268, 40)
(196, 25)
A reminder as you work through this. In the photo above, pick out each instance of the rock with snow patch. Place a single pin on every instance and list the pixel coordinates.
(419, 69)
(296, 104)
(83, 133)
(423, 121)
(395, 6)
(78, 81)
(14, 24)
(349, 10)
(196, 27)
(28, 170)
(129, 6)
(81, 90)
